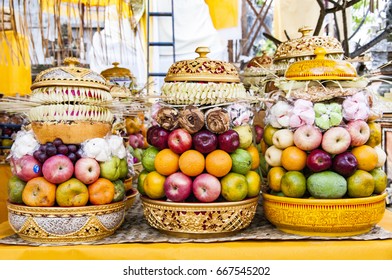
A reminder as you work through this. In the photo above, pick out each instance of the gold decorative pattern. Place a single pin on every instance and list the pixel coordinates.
(199, 220)
(321, 68)
(116, 72)
(202, 69)
(68, 224)
(324, 217)
(70, 75)
(306, 45)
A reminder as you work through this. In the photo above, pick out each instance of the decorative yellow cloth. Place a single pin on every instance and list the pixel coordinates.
(224, 13)
(5, 174)
(15, 68)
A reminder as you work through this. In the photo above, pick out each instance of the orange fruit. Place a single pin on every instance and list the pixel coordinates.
(360, 184)
(274, 178)
(254, 183)
(380, 180)
(39, 192)
(293, 184)
(254, 153)
(166, 162)
(366, 156)
(218, 163)
(101, 191)
(153, 185)
(234, 187)
(192, 163)
(293, 158)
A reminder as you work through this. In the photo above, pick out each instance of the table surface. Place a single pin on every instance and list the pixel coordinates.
(244, 250)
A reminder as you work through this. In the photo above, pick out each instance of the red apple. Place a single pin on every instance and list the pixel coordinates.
(150, 130)
(178, 187)
(26, 167)
(229, 141)
(336, 140)
(179, 140)
(206, 188)
(307, 137)
(134, 141)
(159, 137)
(58, 169)
(318, 160)
(359, 131)
(87, 170)
(345, 164)
(205, 141)
(259, 133)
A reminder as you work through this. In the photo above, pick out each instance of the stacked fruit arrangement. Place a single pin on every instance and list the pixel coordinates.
(322, 139)
(202, 145)
(68, 158)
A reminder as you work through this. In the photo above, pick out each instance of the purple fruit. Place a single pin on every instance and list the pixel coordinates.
(78, 154)
(229, 141)
(318, 160)
(205, 141)
(57, 142)
(42, 148)
(259, 133)
(149, 133)
(42, 157)
(72, 148)
(62, 149)
(159, 138)
(345, 164)
(36, 154)
(72, 157)
(51, 151)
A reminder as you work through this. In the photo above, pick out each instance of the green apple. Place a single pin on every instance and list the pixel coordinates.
(15, 189)
(72, 193)
(119, 190)
(123, 168)
(111, 169)
(245, 134)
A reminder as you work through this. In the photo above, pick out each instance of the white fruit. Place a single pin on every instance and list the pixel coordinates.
(283, 138)
(273, 156)
(382, 156)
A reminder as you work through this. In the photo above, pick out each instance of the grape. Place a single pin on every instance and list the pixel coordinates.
(78, 154)
(72, 148)
(42, 157)
(62, 149)
(72, 157)
(51, 151)
(42, 148)
(57, 142)
(36, 154)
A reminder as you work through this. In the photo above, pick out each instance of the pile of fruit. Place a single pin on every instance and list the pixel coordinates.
(322, 139)
(200, 167)
(67, 175)
(136, 134)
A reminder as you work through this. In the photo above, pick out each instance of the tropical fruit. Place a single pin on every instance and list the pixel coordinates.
(254, 153)
(293, 184)
(153, 185)
(360, 184)
(192, 163)
(375, 134)
(366, 156)
(15, 189)
(218, 163)
(274, 178)
(254, 183)
(234, 187)
(380, 180)
(241, 161)
(148, 158)
(326, 184)
(166, 162)
(293, 158)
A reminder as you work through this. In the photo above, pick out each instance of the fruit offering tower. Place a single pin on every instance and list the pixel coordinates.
(202, 151)
(323, 143)
(68, 168)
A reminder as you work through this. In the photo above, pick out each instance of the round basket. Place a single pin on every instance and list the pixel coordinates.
(199, 220)
(324, 217)
(68, 224)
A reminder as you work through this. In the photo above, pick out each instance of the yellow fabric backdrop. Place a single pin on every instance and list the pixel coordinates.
(5, 174)
(224, 13)
(15, 68)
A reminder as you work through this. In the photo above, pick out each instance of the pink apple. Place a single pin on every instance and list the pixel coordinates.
(87, 170)
(26, 167)
(179, 140)
(58, 169)
(359, 131)
(307, 137)
(178, 187)
(336, 140)
(134, 141)
(206, 187)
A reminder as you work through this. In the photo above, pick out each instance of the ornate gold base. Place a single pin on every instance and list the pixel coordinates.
(324, 217)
